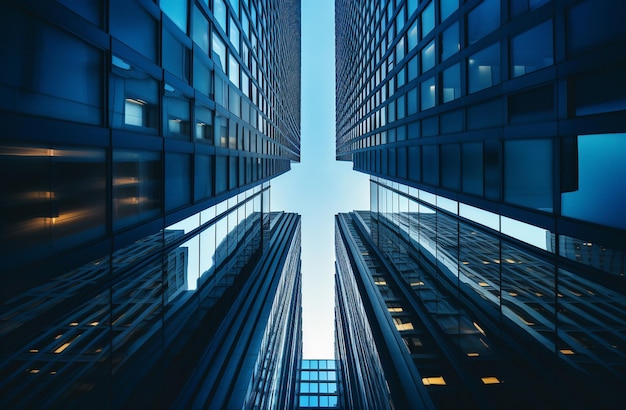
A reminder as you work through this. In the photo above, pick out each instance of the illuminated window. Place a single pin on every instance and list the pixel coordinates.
(434, 381)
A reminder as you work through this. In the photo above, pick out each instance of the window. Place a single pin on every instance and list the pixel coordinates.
(177, 180)
(177, 11)
(521, 6)
(200, 33)
(532, 50)
(428, 92)
(234, 35)
(472, 168)
(202, 76)
(428, 57)
(412, 36)
(137, 186)
(595, 22)
(599, 192)
(450, 44)
(529, 186)
(136, 100)
(447, 7)
(219, 52)
(176, 108)
(430, 164)
(484, 19)
(219, 12)
(203, 177)
(484, 68)
(452, 83)
(204, 124)
(450, 166)
(428, 19)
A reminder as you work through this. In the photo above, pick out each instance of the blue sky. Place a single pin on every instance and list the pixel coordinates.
(319, 187)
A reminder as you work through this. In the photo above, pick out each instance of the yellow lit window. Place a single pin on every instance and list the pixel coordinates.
(434, 381)
(490, 380)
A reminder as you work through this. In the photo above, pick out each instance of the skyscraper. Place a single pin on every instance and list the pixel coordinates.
(493, 131)
(140, 137)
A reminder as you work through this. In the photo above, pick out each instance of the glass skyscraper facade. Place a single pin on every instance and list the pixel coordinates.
(493, 132)
(140, 138)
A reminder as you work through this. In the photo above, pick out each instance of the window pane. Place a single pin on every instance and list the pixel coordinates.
(219, 52)
(599, 194)
(431, 164)
(532, 50)
(177, 180)
(450, 44)
(528, 186)
(412, 36)
(484, 68)
(452, 83)
(450, 166)
(428, 19)
(428, 56)
(472, 168)
(428, 91)
(448, 7)
(200, 30)
(177, 11)
(203, 177)
(176, 112)
(137, 186)
(483, 20)
(219, 12)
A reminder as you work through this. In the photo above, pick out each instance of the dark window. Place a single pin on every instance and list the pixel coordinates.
(221, 174)
(472, 168)
(137, 186)
(203, 177)
(483, 20)
(450, 43)
(529, 186)
(133, 25)
(600, 194)
(532, 106)
(532, 50)
(452, 122)
(176, 114)
(415, 164)
(450, 166)
(484, 115)
(595, 22)
(430, 164)
(492, 169)
(177, 180)
(402, 165)
(600, 91)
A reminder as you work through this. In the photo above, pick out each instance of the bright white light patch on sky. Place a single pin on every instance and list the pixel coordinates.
(319, 187)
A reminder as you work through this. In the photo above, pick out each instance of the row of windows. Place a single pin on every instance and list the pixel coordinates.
(499, 273)
(318, 375)
(318, 387)
(587, 192)
(318, 401)
(61, 192)
(318, 364)
(529, 51)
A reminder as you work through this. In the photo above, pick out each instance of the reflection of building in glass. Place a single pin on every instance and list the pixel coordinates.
(135, 186)
(494, 132)
(320, 385)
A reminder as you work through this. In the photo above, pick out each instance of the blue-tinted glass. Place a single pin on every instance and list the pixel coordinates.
(332, 375)
(176, 113)
(219, 12)
(177, 180)
(448, 7)
(141, 199)
(323, 401)
(200, 30)
(452, 83)
(219, 52)
(412, 36)
(428, 92)
(532, 50)
(483, 20)
(332, 387)
(415, 170)
(411, 102)
(133, 24)
(177, 11)
(411, 6)
(428, 19)
(234, 35)
(430, 162)
(314, 387)
(594, 22)
(304, 401)
(313, 401)
(472, 168)
(428, 57)
(484, 68)
(450, 166)
(450, 44)
(221, 181)
(203, 177)
(332, 401)
(306, 364)
(599, 194)
(413, 68)
(529, 186)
